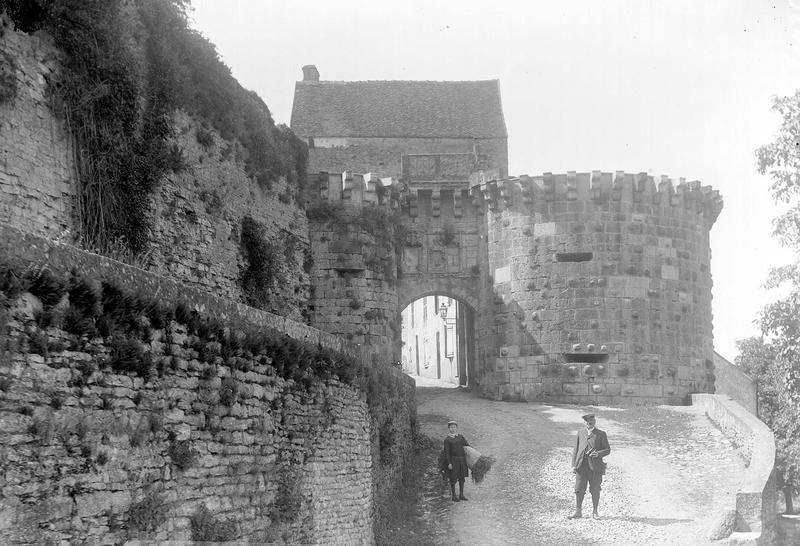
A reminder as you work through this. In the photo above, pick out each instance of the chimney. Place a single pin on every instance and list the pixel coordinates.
(310, 73)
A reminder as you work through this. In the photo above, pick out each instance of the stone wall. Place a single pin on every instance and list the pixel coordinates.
(36, 163)
(198, 219)
(97, 453)
(354, 273)
(788, 530)
(197, 213)
(383, 155)
(731, 381)
(755, 503)
(600, 288)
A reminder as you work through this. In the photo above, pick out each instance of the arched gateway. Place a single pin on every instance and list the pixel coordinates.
(586, 287)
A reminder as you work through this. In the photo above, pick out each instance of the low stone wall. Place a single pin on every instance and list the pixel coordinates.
(788, 530)
(730, 380)
(755, 502)
(93, 452)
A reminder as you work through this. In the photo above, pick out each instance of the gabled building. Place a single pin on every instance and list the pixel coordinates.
(367, 126)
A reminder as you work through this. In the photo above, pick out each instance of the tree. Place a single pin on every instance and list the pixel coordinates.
(777, 364)
(760, 360)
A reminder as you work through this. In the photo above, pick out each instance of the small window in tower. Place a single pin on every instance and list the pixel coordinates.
(573, 256)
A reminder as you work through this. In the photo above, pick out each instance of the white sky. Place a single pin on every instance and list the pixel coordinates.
(673, 87)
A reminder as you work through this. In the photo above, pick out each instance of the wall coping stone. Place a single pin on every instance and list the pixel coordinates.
(27, 251)
(759, 450)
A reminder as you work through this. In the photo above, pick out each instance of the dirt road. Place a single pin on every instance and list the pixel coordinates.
(667, 476)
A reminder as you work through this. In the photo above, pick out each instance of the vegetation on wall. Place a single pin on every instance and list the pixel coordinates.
(127, 67)
(382, 223)
(8, 77)
(125, 322)
(263, 264)
(122, 333)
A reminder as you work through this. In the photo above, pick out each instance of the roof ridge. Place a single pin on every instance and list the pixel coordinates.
(396, 81)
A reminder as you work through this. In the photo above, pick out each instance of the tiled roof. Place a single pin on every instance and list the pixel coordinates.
(398, 109)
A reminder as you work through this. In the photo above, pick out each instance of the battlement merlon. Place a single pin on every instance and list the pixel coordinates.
(599, 187)
(354, 188)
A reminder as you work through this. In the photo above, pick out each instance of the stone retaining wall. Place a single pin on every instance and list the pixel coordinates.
(755, 501)
(99, 454)
(36, 163)
(730, 380)
(788, 530)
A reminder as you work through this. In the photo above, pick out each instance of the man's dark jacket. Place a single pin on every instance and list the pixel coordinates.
(597, 443)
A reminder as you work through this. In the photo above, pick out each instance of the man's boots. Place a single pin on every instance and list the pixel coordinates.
(453, 492)
(461, 491)
(595, 502)
(578, 503)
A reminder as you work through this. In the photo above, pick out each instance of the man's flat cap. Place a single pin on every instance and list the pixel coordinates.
(588, 416)
(451, 423)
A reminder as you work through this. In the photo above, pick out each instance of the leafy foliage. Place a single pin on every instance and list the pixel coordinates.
(147, 514)
(263, 268)
(761, 361)
(777, 363)
(182, 454)
(127, 67)
(8, 77)
(207, 528)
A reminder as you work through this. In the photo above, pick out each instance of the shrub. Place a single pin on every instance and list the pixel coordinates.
(83, 296)
(325, 211)
(182, 454)
(10, 283)
(128, 355)
(288, 497)
(263, 264)
(75, 322)
(205, 137)
(147, 514)
(207, 528)
(56, 400)
(228, 391)
(45, 286)
(102, 458)
(37, 342)
(8, 77)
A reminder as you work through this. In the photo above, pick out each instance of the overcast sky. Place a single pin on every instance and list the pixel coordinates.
(675, 87)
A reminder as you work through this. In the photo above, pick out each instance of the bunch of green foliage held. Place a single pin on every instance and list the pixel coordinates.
(125, 322)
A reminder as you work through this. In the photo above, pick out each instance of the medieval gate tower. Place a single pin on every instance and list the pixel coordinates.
(584, 287)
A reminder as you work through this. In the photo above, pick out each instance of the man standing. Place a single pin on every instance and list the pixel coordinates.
(587, 464)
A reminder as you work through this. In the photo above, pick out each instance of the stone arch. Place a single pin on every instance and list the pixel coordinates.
(410, 289)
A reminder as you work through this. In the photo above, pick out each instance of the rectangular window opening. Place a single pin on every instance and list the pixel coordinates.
(573, 256)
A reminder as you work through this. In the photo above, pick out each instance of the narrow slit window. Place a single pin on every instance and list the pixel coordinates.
(573, 256)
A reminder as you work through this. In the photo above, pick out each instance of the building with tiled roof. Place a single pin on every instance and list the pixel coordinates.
(367, 126)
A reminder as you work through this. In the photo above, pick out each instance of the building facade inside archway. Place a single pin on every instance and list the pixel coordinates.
(586, 287)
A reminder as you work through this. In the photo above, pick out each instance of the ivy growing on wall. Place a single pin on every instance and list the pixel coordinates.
(263, 264)
(127, 67)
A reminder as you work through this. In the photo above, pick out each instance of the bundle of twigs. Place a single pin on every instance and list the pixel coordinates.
(481, 467)
(478, 464)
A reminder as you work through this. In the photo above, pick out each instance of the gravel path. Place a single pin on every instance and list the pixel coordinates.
(667, 477)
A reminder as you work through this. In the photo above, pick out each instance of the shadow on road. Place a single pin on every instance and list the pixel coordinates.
(646, 521)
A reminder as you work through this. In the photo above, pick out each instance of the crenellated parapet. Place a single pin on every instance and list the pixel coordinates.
(355, 188)
(587, 287)
(493, 193)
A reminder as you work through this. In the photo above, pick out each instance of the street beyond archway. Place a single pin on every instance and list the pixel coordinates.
(670, 473)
